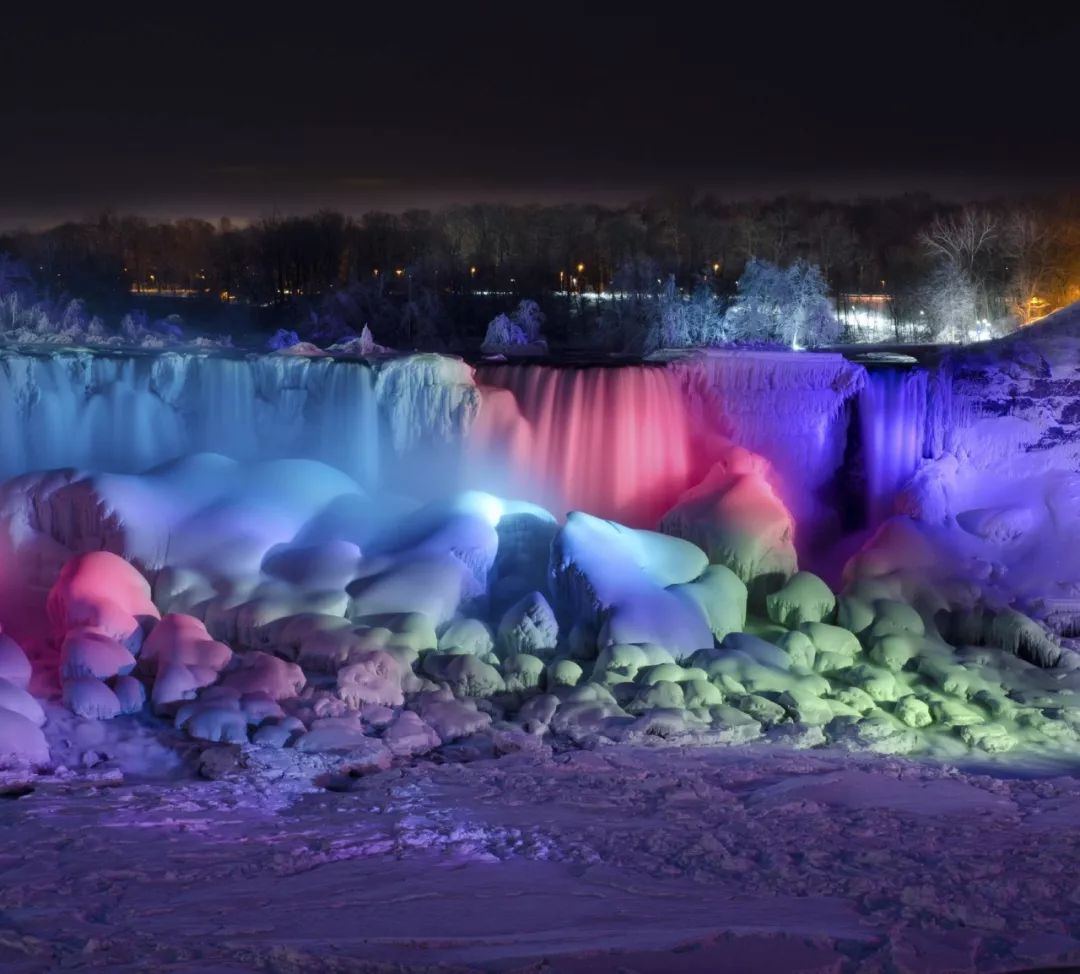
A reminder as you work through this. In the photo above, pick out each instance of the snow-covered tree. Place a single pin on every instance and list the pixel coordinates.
(519, 330)
(948, 302)
(530, 319)
(686, 321)
(962, 240)
(503, 331)
(962, 247)
(782, 304)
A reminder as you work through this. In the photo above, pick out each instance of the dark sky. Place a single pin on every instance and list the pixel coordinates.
(200, 111)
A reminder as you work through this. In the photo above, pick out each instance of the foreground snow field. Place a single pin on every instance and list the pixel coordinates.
(619, 859)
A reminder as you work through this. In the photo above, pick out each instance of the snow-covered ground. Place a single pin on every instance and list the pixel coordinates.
(751, 859)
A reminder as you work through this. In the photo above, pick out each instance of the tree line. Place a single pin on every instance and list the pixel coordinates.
(435, 278)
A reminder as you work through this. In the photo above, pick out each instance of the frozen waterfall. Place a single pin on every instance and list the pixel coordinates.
(892, 420)
(622, 442)
(612, 441)
(126, 413)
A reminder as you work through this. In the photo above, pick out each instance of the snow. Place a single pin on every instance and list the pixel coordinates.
(736, 518)
(617, 579)
(635, 858)
(374, 682)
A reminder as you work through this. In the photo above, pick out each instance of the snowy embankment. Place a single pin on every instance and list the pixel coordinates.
(658, 859)
(275, 605)
(1004, 485)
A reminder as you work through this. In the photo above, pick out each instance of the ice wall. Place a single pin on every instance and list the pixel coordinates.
(625, 442)
(612, 441)
(892, 421)
(125, 413)
(789, 407)
(622, 442)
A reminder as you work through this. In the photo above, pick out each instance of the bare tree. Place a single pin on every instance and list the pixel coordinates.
(1029, 247)
(962, 246)
(962, 240)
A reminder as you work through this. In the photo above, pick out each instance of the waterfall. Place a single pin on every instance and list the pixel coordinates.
(789, 407)
(126, 413)
(892, 420)
(621, 442)
(614, 442)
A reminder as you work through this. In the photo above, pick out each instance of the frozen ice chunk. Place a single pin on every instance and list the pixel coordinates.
(408, 735)
(803, 598)
(431, 584)
(372, 678)
(736, 517)
(16, 699)
(87, 652)
(722, 596)
(21, 741)
(14, 664)
(529, 626)
(467, 636)
(616, 578)
(131, 694)
(256, 671)
(101, 590)
(86, 696)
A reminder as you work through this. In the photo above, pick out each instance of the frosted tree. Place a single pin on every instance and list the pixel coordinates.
(962, 240)
(530, 319)
(1030, 247)
(962, 247)
(948, 304)
(686, 321)
(782, 304)
(281, 339)
(521, 329)
(503, 332)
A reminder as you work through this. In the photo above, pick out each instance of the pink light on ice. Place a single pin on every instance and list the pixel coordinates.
(614, 442)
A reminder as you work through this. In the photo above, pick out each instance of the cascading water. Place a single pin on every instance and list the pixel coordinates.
(126, 413)
(611, 441)
(622, 442)
(892, 421)
(789, 407)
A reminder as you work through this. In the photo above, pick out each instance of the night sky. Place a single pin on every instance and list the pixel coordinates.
(196, 111)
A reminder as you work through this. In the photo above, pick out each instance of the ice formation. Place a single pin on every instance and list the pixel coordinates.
(892, 415)
(349, 587)
(787, 407)
(614, 442)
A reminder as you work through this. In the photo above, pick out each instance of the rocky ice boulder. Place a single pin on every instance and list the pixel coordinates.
(14, 664)
(22, 742)
(102, 591)
(618, 580)
(529, 626)
(737, 519)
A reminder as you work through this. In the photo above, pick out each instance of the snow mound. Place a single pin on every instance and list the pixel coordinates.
(736, 518)
(616, 580)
